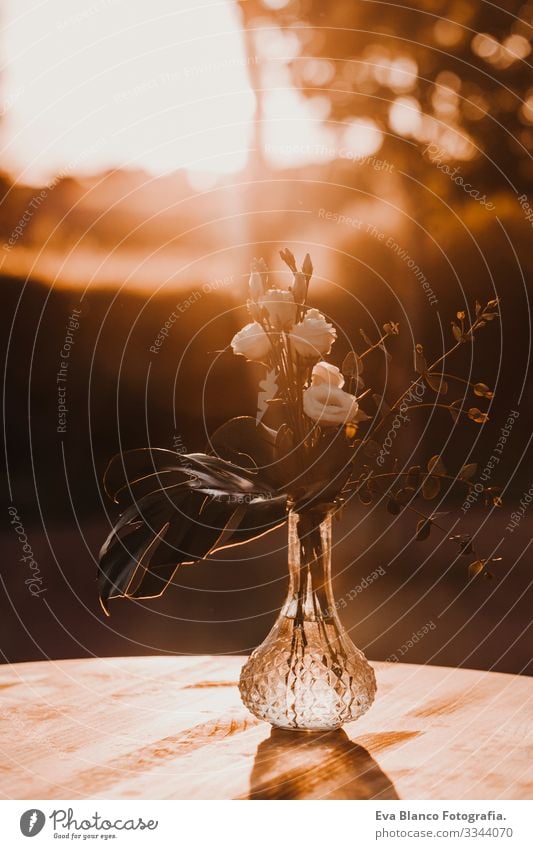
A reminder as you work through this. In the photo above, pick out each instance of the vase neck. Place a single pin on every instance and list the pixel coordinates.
(310, 595)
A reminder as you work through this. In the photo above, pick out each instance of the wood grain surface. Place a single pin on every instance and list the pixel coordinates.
(174, 727)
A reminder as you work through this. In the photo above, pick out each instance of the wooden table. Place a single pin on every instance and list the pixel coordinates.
(174, 727)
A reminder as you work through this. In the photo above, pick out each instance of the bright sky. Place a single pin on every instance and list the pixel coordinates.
(92, 84)
(89, 85)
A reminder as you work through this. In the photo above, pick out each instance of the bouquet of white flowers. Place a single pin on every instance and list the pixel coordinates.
(183, 507)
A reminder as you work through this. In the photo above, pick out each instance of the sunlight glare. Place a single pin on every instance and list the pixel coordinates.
(153, 86)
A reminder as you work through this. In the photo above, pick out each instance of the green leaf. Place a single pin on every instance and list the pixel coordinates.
(476, 568)
(436, 465)
(436, 382)
(394, 506)
(182, 509)
(365, 495)
(414, 476)
(284, 441)
(477, 416)
(483, 391)
(371, 448)
(352, 365)
(243, 437)
(430, 488)
(365, 337)
(468, 471)
(457, 332)
(403, 496)
(423, 529)
(467, 548)
(453, 409)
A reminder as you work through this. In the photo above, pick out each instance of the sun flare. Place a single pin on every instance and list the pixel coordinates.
(136, 85)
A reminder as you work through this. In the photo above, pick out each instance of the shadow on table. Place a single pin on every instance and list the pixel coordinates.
(316, 765)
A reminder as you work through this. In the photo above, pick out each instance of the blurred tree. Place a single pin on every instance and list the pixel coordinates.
(455, 74)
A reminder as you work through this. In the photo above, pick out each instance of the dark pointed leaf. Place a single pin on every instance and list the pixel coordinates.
(243, 439)
(215, 504)
(394, 507)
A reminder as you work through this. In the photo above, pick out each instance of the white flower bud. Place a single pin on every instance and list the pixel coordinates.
(255, 285)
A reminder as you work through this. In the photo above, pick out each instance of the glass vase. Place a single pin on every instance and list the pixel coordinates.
(307, 674)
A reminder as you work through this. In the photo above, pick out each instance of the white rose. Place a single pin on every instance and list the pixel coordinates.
(313, 336)
(326, 373)
(280, 307)
(329, 405)
(251, 342)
